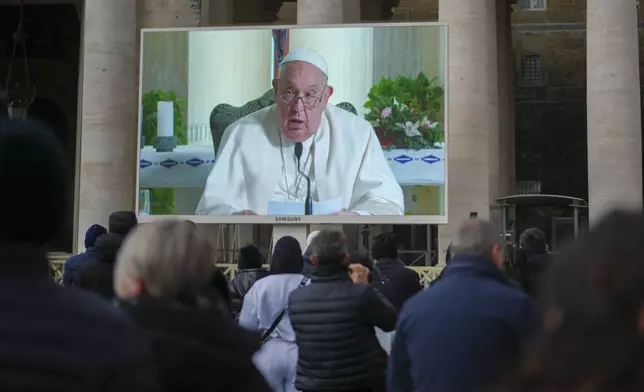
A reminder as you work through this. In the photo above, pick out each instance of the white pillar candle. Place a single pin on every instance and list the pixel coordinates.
(165, 121)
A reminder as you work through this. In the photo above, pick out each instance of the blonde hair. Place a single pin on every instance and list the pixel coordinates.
(169, 257)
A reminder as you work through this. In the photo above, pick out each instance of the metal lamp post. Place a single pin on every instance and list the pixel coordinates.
(18, 97)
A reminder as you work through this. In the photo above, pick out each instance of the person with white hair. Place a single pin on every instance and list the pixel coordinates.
(271, 154)
(311, 237)
(466, 330)
(162, 278)
(308, 267)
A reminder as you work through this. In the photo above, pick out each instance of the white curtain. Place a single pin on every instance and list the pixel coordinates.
(230, 67)
(349, 55)
(405, 51)
(396, 52)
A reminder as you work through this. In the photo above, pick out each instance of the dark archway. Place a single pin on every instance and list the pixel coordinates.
(51, 114)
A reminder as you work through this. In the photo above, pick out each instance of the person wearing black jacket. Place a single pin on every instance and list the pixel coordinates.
(53, 338)
(389, 275)
(98, 274)
(249, 271)
(334, 318)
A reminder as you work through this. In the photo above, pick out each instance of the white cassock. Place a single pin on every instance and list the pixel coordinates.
(255, 164)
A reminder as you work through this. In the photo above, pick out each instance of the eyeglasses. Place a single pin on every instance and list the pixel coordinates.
(309, 101)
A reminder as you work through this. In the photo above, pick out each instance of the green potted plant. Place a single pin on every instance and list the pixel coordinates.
(406, 113)
(161, 199)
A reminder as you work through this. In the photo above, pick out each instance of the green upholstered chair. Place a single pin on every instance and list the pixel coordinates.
(223, 114)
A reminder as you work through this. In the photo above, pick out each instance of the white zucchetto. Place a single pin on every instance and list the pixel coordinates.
(307, 55)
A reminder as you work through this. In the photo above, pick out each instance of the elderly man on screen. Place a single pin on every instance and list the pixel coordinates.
(339, 152)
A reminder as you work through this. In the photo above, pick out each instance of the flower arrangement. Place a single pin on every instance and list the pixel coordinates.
(405, 112)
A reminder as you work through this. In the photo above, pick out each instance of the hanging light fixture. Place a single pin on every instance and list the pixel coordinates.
(17, 96)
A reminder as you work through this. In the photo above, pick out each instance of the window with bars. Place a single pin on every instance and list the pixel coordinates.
(531, 71)
(533, 5)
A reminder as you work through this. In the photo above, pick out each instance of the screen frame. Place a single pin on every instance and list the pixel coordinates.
(304, 219)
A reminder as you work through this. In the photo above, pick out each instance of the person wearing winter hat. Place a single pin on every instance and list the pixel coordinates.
(108, 353)
(98, 274)
(390, 276)
(249, 271)
(75, 264)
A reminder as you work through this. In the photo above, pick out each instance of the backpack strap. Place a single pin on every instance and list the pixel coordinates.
(267, 334)
(383, 279)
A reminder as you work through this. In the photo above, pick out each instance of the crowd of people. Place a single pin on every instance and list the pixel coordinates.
(145, 307)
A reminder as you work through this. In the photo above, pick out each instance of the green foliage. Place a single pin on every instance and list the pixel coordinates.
(162, 199)
(404, 112)
(149, 122)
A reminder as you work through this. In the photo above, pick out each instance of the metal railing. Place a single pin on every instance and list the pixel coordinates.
(56, 260)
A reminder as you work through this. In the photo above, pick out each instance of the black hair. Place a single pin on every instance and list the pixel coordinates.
(385, 246)
(533, 239)
(287, 257)
(122, 222)
(249, 258)
(592, 301)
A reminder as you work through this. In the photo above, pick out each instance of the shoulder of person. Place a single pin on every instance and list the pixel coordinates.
(303, 293)
(249, 125)
(345, 119)
(102, 323)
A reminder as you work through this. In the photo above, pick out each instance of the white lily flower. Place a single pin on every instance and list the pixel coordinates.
(428, 124)
(411, 129)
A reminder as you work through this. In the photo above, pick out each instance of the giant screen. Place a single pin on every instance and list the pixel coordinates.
(328, 124)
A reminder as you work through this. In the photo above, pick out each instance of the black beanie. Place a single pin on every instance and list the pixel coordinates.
(249, 257)
(384, 246)
(33, 178)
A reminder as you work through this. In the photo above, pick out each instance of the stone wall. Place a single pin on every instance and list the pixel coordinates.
(551, 114)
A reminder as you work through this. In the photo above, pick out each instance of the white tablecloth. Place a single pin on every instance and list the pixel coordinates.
(189, 166)
(185, 167)
(417, 167)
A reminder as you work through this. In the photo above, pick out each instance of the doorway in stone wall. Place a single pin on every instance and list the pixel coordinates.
(53, 50)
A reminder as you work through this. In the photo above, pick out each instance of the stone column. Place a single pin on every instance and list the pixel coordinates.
(472, 109)
(506, 158)
(108, 114)
(506, 99)
(310, 12)
(614, 112)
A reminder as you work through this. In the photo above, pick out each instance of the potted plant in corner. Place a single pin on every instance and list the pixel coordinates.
(406, 113)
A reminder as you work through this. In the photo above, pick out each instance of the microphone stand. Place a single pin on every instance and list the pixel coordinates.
(308, 202)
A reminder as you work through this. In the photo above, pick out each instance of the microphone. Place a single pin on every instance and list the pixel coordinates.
(308, 203)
